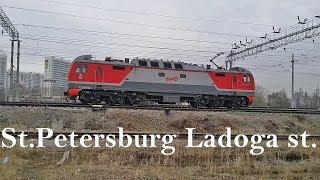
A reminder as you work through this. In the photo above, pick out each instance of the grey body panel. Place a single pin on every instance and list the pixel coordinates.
(161, 88)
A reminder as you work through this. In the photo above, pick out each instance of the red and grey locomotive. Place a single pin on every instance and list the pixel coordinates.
(118, 82)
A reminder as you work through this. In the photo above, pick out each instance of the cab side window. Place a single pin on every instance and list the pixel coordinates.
(154, 64)
(81, 68)
(220, 74)
(246, 79)
(143, 63)
(167, 65)
(178, 66)
(118, 67)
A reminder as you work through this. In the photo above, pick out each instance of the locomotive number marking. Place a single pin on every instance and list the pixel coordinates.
(174, 78)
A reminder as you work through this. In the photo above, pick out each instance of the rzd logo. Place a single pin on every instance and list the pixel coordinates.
(174, 78)
(80, 76)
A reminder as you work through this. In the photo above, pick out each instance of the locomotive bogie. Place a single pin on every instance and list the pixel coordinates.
(138, 98)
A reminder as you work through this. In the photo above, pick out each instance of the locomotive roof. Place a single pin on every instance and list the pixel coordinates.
(135, 62)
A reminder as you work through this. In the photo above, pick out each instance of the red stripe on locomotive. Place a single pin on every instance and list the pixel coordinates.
(227, 80)
(95, 72)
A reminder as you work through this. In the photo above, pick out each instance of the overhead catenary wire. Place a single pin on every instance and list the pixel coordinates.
(64, 41)
(128, 45)
(160, 15)
(264, 55)
(259, 70)
(134, 53)
(155, 52)
(94, 32)
(132, 23)
(274, 65)
(112, 39)
(84, 31)
(225, 43)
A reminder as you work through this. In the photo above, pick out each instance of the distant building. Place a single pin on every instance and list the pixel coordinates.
(31, 80)
(3, 70)
(3, 75)
(31, 84)
(55, 77)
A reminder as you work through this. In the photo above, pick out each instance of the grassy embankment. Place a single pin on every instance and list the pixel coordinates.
(150, 164)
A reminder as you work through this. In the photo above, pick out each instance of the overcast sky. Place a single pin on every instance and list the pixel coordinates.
(184, 30)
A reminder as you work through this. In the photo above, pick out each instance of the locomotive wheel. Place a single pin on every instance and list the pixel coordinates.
(107, 101)
(244, 102)
(83, 101)
(228, 104)
(237, 103)
(135, 99)
(240, 102)
(121, 101)
(128, 101)
(90, 97)
(194, 104)
(213, 104)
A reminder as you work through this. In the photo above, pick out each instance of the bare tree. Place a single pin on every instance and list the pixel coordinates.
(279, 99)
(303, 100)
(315, 100)
(260, 97)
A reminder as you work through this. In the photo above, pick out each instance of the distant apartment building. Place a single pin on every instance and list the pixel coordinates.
(31, 83)
(3, 75)
(55, 77)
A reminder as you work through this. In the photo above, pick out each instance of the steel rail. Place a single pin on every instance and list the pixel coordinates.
(181, 136)
(166, 108)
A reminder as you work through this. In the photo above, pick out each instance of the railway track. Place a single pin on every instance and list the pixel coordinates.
(180, 136)
(166, 108)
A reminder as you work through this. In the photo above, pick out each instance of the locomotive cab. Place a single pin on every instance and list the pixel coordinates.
(78, 71)
(247, 77)
(246, 82)
(87, 74)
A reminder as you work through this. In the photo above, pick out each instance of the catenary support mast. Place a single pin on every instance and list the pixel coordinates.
(7, 25)
(292, 82)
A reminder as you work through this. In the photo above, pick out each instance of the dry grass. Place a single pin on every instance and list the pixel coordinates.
(157, 121)
(134, 163)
